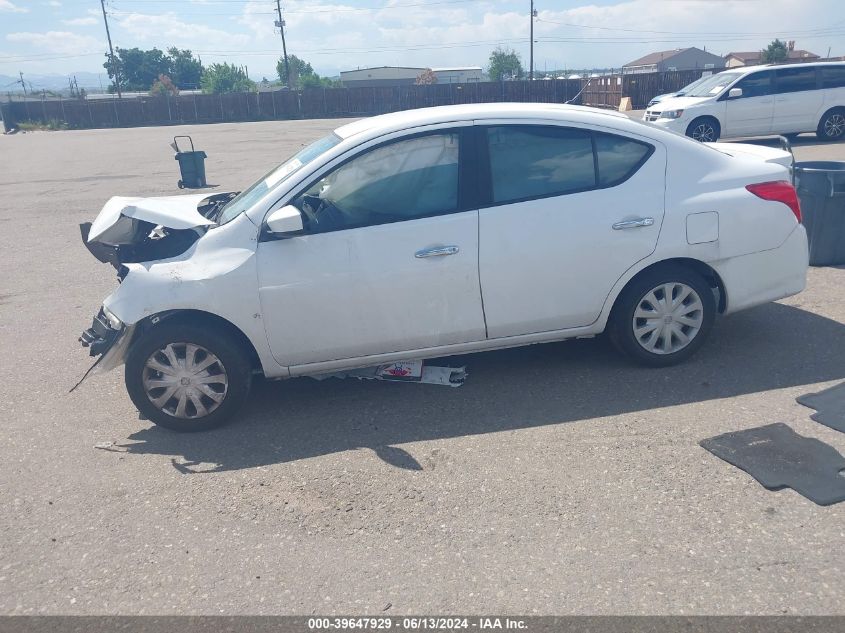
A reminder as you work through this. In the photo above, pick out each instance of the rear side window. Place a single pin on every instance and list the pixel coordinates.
(618, 158)
(833, 76)
(534, 161)
(795, 79)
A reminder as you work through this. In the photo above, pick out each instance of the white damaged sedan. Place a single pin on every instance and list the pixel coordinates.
(441, 231)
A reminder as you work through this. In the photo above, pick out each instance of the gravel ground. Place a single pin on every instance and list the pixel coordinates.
(558, 480)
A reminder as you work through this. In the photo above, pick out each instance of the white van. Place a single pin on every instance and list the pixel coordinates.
(760, 100)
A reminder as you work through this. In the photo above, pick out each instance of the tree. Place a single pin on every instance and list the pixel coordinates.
(139, 70)
(775, 52)
(225, 77)
(185, 70)
(426, 78)
(164, 86)
(299, 68)
(504, 64)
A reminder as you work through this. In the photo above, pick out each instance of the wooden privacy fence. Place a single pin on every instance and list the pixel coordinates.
(641, 87)
(315, 103)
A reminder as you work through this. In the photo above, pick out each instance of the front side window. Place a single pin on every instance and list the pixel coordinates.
(795, 79)
(535, 161)
(756, 84)
(404, 180)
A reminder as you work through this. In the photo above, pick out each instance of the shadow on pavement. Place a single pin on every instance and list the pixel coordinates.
(770, 347)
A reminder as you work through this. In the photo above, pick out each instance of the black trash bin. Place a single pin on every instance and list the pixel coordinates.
(821, 191)
(191, 165)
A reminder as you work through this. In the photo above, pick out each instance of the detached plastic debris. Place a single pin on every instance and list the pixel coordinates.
(405, 371)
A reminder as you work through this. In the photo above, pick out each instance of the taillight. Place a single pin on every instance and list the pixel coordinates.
(778, 191)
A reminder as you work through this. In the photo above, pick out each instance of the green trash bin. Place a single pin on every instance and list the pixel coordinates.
(821, 192)
(191, 165)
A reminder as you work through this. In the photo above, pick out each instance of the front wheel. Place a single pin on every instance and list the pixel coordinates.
(832, 126)
(663, 317)
(704, 129)
(187, 378)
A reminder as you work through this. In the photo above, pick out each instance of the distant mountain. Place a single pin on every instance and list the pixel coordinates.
(89, 81)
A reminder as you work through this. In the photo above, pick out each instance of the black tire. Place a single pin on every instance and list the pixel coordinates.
(705, 129)
(233, 363)
(832, 125)
(621, 324)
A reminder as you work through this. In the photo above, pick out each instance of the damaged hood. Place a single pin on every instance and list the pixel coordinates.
(144, 229)
(114, 225)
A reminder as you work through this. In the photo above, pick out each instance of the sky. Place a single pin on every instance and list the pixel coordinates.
(67, 36)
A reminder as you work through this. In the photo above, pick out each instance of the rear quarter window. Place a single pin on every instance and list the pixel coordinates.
(833, 76)
(618, 158)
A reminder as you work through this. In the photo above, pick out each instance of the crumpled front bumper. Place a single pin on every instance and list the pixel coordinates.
(109, 339)
(101, 336)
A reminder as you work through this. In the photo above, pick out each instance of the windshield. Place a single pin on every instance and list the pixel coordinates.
(713, 85)
(257, 190)
(685, 90)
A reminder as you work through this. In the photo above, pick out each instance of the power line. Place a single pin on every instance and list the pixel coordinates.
(307, 11)
(698, 33)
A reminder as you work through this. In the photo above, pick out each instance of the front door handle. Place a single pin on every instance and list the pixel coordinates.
(437, 251)
(633, 224)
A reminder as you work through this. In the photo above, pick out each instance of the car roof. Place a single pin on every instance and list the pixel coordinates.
(751, 69)
(406, 119)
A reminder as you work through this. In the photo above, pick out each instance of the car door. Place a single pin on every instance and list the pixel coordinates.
(388, 261)
(751, 113)
(797, 99)
(567, 211)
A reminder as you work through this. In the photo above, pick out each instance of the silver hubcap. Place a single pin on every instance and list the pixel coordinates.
(668, 318)
(704, 133)
(834, 125)
(185, 380)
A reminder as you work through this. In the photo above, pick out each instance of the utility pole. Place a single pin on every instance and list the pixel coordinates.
(281, 24)
(23, 84)
(531, 54)
(111, 51)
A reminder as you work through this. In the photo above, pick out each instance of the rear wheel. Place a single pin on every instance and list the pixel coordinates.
(705, 129)
(662, 317)
(188, 378)
(832, 125)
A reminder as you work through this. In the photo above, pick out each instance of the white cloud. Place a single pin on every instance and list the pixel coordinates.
(81, 21)
(54, 3)
(60, 42)
(165, 30)
(6, 5)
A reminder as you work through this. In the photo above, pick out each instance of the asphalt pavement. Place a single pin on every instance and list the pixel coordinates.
(560, 479)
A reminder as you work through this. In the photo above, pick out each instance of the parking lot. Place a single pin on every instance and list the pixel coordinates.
(560, 479)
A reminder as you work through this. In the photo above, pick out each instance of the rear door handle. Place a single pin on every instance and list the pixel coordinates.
(437, 251)
(633, 224)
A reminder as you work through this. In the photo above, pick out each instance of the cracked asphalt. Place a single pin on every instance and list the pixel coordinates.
(559, 479)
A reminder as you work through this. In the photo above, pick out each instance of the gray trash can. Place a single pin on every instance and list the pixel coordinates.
(191, 165)
(821, 192)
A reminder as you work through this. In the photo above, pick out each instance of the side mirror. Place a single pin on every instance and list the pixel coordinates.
(287, 220)
(733, 93)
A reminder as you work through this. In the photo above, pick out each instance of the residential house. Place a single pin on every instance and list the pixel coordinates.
(691, 58)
